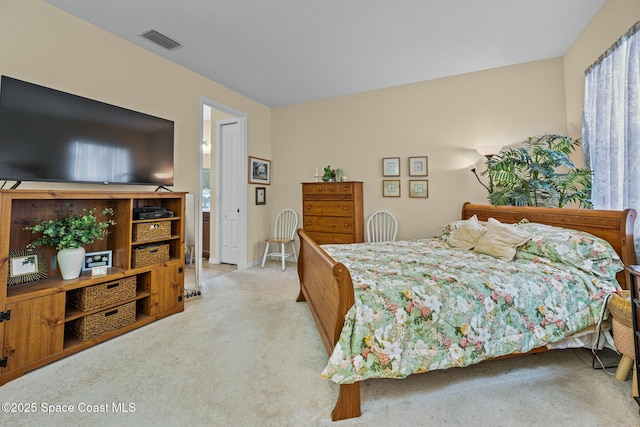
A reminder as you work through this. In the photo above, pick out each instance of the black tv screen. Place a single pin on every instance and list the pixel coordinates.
(49, 135)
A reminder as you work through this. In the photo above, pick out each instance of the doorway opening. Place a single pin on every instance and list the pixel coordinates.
(223, 172)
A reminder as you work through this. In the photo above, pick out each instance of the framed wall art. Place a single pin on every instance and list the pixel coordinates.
(391, 166)
(96, 259)
(419, 188)
(259, 171)
(391, 188)
(261, 196)
(26, 265)
(418, 166)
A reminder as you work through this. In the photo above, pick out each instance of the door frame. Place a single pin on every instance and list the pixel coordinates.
(242, 174)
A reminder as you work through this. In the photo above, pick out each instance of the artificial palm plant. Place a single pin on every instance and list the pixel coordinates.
(539, 173)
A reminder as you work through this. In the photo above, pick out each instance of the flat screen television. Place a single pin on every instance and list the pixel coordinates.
(49, 135)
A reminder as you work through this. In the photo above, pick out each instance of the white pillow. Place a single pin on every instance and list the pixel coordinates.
(501, 240)
(466, 234)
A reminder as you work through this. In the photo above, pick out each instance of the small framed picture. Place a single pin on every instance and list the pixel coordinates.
(96, 259)
(391, 188)
(391, 166)
(259, 171)
(261, 196)
(418, 166)
(99, 271)
(26, 266)
(418, 188)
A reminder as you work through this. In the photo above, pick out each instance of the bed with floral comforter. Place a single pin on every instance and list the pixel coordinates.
(423, 305)
(393, 309)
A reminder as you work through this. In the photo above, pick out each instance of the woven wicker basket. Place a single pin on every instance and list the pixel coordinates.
(623, 339)
(103, 294)
(94, 325)
(151, 230)
(150, 254)
(620, 308)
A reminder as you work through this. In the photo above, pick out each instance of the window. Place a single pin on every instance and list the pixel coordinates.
(611, 126)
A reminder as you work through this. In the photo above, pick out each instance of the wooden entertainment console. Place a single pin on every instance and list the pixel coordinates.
(38, 318)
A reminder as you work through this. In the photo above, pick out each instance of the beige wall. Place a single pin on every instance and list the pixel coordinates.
(444, 119)
(43, 45)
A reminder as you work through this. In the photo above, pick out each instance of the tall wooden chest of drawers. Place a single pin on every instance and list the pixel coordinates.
(332, 211)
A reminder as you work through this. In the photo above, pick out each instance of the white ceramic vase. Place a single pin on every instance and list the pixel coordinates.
(70, 262)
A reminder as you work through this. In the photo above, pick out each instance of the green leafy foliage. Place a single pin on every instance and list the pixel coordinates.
(329, 174)
(540, 173)
(71, 230)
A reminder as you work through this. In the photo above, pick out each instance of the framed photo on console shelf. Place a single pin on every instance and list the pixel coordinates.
(96, 259)
(26, 266)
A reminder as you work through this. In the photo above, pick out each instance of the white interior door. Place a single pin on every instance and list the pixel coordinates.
(231, 162)
(232, 171)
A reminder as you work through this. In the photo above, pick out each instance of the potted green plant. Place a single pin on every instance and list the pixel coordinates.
(539, 173)
(329, 174)
(68, 233)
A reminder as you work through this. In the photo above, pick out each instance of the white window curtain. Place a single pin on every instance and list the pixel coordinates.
(611, 126)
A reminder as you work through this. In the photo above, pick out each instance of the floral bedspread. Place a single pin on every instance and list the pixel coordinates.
(423, 305)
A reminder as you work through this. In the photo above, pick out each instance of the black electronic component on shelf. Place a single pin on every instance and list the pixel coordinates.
(150, 212)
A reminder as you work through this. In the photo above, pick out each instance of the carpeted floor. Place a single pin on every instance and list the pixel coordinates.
(246, 354)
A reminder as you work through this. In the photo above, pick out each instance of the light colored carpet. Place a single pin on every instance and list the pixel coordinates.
(246, 354)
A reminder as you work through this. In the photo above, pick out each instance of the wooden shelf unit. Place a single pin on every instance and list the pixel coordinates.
(33, 315)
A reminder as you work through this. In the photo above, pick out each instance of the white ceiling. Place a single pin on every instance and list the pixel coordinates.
(282, 52)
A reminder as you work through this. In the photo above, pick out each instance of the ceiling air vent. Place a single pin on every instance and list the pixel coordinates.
(161, 39)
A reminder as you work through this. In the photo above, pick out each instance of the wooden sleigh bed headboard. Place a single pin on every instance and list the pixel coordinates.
(616, 227)
(327, 287)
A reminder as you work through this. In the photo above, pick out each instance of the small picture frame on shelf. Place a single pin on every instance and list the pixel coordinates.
(391, 166)
(259, 171)
(97, 259)
(391, 188)
(261, 196)
(418, 166)
(419, 188)
(27, 265)
(99, 271)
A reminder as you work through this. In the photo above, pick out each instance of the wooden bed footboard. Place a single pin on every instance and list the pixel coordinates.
(327, 287)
